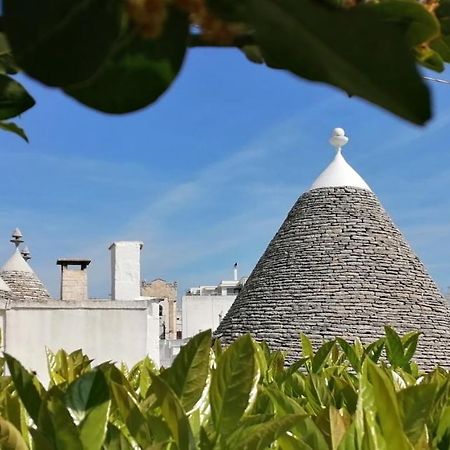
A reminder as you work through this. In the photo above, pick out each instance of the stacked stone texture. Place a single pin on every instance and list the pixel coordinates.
(6, 295)
(338, 266)
(25, 286)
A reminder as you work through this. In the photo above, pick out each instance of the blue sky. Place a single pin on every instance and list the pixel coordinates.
(206, 176)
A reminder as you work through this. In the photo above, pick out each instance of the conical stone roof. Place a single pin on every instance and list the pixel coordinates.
(21, 279)
(5, 291)
(338, 266)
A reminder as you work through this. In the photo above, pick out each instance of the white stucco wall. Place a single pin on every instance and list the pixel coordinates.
(105, 330)
(201, 312)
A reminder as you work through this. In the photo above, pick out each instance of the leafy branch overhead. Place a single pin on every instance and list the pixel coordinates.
(119, 56)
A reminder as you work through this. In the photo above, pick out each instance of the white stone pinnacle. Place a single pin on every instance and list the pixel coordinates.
(339, 172)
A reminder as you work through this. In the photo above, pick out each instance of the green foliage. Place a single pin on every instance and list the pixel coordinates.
(243, 397)
(359, 66)
(14, 99)
(62, 42)
(11, 127)
(188, 373)
(137, 71)
(118, 56)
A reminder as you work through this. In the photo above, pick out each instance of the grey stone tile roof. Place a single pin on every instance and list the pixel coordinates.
(25, 286)
(338, 266)
(6, 295)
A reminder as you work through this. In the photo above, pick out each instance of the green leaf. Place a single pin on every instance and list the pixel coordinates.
(262, 360)
(217, 348)
(339, 424)
(231, 384)
(387, 408)
(14, 99)
(409, 342)
(85, 393)
(415, 406)
(429, 58)
(130, 414)
(441, 45)
(253, 54)
(145, 380)
(307, 349)
(374, 349)
(56, 423)
(350, 439)
(188, 372)
(276, 365)
(13, 128)
(320, 358)
(306, 428)
(443, 429)
(28, 387)
(40, 441)
(288, 442)
(350, 353)
(173, 413)
(418, 25)
(344, 48)
(15, 413)
(115, 440)
(10, 437)
(394, 347)
(294, 368)
(263, 435)
(7, 63)
(94, 426)
(138, 72)
(61, 42)
(283, 403)
(88, 400)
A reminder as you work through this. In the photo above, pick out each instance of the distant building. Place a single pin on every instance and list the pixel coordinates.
(204, 307)
(124, 328)
(167, 292)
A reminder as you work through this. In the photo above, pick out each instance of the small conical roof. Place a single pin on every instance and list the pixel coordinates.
(16, 263)
(338, 266)
(21, 279)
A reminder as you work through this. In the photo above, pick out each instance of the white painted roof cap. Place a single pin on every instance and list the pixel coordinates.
(339, 172)
(16, 264)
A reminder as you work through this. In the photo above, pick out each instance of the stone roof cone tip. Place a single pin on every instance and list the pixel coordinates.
(338, 266)
(16, 263)
(22, 282)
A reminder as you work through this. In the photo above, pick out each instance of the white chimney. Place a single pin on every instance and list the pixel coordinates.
(126, 270)
(235, 274)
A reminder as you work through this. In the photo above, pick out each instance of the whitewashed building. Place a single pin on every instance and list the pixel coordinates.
(204, 307)
(124, 328)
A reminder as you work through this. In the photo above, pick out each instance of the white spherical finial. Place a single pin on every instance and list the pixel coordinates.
(338, 138)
